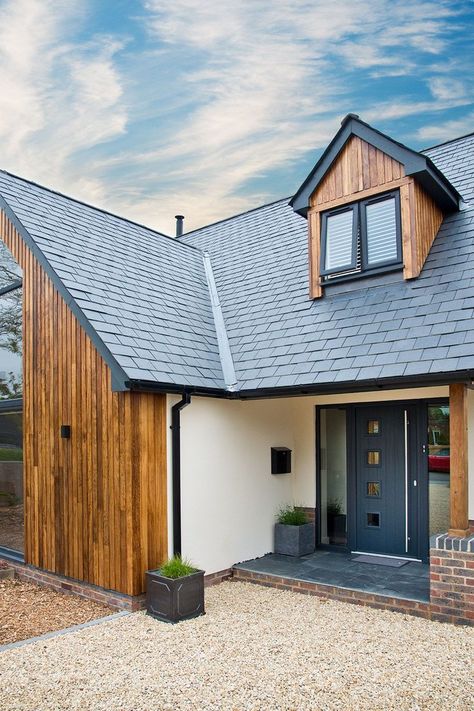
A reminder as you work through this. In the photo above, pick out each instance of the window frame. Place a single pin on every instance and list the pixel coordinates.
(365, 265)
(359, 231)
(355, 228)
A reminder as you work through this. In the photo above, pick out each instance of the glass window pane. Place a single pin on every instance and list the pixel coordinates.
(373, 457)
(9, 269)
(333, 468)
(373, 488)
(339, 243)
(11, 481)
(373, 427)
(438, 468)
(373, 520)
(10, 345)
(10, 328)
(381, 231)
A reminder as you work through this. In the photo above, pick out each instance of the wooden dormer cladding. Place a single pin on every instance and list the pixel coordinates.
(362, 171)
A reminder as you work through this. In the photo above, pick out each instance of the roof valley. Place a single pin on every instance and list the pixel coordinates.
(225, 354)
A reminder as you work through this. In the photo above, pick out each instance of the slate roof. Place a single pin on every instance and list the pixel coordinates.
(145, 295)
(145, 298)
(376, 330)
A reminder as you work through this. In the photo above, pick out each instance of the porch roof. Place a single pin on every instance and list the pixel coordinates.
(145, 298)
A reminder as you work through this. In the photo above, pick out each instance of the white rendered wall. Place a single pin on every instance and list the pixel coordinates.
(229, 496)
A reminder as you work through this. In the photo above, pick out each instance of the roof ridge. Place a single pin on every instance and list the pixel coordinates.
(94, 207)
(445, 143)
(232, 217)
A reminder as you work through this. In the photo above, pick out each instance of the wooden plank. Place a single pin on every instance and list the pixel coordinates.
(458, 434)
(361, 195)
(80, 494)
(314, 245)
(407, 214)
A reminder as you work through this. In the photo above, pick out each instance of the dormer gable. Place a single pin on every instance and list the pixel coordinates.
(372, 205)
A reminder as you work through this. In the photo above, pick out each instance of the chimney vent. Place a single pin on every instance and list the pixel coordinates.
(179, 225)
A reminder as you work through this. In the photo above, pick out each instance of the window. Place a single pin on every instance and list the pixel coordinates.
(10, 326)
(11, 476)
(373, 427)
(361, 237)
(374, 488)
(373, 457)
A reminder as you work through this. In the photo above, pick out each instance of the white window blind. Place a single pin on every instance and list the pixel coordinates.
(339, 242)
(381, 231)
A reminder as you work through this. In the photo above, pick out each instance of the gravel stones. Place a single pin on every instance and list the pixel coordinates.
(256, 649)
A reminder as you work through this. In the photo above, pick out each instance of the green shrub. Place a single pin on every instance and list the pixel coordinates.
(177, 567)
(334, 507)
(291, 516)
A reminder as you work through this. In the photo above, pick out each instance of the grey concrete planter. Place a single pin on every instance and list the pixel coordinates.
(174, 599)
(294, 540)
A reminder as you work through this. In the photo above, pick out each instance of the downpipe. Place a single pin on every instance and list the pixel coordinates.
(176, 469)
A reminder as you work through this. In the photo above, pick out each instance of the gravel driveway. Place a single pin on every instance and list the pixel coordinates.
(257, 648)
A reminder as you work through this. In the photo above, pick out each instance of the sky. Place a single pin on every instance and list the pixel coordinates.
(208, 108)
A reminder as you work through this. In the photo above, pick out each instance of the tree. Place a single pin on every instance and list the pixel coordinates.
(11, 387)
(10, 321)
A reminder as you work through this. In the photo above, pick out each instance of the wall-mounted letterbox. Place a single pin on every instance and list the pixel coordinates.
(281, 460)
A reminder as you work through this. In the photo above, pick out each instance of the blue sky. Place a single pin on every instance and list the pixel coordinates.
(209, 108)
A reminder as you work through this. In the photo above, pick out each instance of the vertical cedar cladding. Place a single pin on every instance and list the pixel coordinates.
(361, 171)
(95, 504)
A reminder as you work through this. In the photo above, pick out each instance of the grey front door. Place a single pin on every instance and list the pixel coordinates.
(384, 480)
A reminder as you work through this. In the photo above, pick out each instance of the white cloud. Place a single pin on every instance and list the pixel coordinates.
(242, 90)
(440, 132)
(446, 88)
(272, 81)
(58, 97)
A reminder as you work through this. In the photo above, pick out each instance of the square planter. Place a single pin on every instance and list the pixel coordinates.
(294, 540)
(174, 599)
(337, 528)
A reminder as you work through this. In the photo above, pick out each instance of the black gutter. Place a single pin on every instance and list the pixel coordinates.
(176, 469)
(355, 386)
(335, 388)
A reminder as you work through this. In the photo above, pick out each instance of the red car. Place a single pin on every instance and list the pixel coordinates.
(439, 461)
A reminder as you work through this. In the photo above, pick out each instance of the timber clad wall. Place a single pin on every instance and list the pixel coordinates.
(362, 171)
(359, 167)
(95, 504)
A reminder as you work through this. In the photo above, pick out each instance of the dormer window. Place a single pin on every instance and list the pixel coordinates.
(372, 205)
(361, 237)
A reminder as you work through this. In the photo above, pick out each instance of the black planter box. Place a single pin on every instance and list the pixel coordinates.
(174, 599)
(294, 540)
(337, 528)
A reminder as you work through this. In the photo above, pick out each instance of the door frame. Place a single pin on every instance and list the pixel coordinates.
(419, 514)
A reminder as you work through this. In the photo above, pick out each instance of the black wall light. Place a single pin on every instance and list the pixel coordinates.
(281, 460)
(66, 431)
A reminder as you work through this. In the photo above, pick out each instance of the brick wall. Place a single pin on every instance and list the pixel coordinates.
(309, 511)
(331, 592)
(452, 579)
(118, 601)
